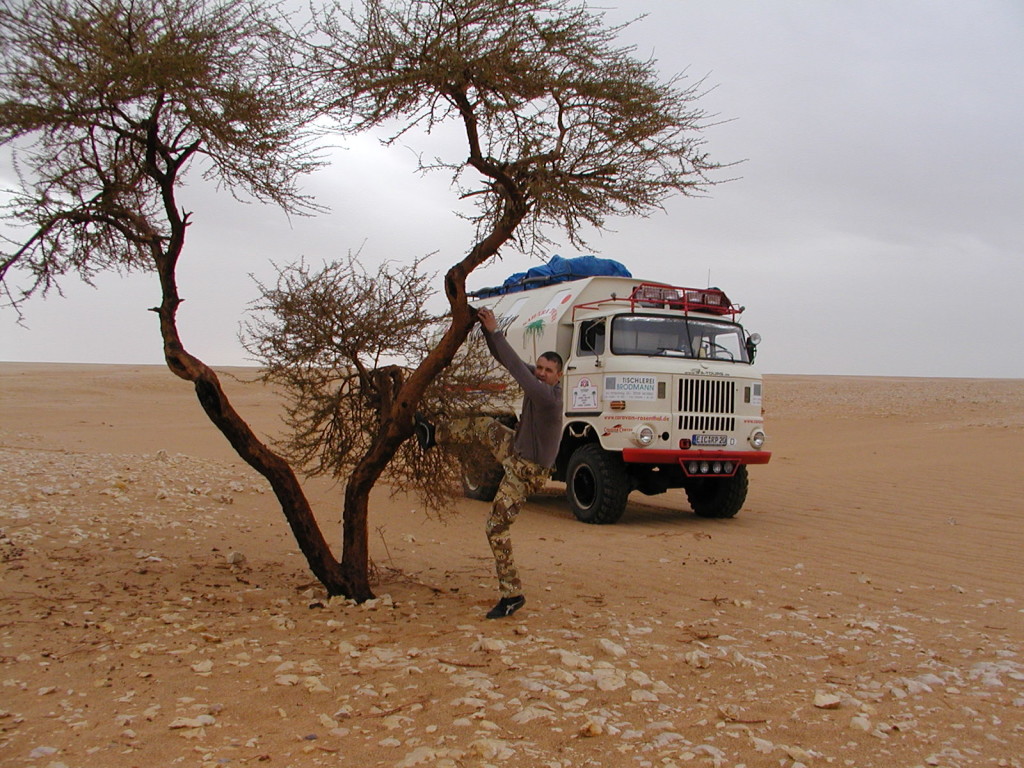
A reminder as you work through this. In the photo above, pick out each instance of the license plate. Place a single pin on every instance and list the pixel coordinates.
(712, 440)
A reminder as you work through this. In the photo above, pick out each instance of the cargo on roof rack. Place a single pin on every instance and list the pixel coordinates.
(557, 270)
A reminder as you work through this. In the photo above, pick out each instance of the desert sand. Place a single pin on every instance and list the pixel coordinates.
(864, 609)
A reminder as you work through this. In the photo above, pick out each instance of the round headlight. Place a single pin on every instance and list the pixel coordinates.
(643, 435)
(704, 467)
(757, 438)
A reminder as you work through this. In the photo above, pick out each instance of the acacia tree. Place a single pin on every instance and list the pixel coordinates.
(561, 129)
(110, 101)
(107, 104)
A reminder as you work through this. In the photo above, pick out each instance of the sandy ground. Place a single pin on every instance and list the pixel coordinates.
(865, 608)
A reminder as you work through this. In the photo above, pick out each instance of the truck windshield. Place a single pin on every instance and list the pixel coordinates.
(688, 337)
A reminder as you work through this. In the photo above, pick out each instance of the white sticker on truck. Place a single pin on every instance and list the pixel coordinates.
(584, 396)
(630, 387)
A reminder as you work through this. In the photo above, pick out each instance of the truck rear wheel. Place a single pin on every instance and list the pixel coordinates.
(718, 497)
(596, 485)
(481, 482)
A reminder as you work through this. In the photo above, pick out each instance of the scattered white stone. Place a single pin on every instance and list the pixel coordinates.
(473, 702)
(990, 673)
(592, 727)
(420, 756)
(916, 686)
(799, 754)
(741, 659)
(609, 678)
(640, 678)
(572, 660)
(492, 749)
(612, 649)
(665, 738)
(191, 722)
(698, 659)
(490, 645)
(345, 648)
(860, 723)
(709, 750)
(533, 712)
(827, 700)
(315, 685)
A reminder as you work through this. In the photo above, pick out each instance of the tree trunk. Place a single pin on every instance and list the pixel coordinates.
(275, 469)
(247, 445)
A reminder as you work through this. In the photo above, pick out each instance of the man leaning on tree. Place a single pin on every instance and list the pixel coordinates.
(527, 454)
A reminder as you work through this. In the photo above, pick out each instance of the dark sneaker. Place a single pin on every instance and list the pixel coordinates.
(506, 607)
(426, 433)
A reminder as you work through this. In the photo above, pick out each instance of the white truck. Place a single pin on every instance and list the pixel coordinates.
(660, 391)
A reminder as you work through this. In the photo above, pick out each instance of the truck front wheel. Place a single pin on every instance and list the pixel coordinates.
(596, 485)
(718, 497)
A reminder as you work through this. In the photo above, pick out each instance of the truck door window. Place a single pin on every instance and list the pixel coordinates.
(591, 338)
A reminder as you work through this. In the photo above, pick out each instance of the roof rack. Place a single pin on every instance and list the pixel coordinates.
(711, 301)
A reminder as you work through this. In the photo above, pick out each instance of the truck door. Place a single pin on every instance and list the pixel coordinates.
(583, 369)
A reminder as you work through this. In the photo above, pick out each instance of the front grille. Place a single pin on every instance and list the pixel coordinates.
(707, 423)
(707, 405)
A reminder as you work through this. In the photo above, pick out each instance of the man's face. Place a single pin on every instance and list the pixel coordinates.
(547, 371)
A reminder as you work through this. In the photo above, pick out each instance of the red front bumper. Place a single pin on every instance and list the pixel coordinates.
(655, 456)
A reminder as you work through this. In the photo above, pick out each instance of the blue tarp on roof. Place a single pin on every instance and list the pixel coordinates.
(557, 270)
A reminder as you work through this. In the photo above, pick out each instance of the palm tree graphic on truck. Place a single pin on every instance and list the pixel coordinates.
(534, 331)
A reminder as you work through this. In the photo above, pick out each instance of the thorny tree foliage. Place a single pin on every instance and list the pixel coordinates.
(337, 339)
(559, 122)
(107, 103)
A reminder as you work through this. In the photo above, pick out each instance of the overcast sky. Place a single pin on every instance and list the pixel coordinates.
(875, 225)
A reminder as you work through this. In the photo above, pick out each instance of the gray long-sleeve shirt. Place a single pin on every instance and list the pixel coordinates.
(540, 426)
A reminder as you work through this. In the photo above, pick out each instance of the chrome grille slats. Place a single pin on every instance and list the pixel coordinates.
(706, 405)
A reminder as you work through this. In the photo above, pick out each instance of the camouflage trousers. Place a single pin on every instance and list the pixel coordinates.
(522, 478)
